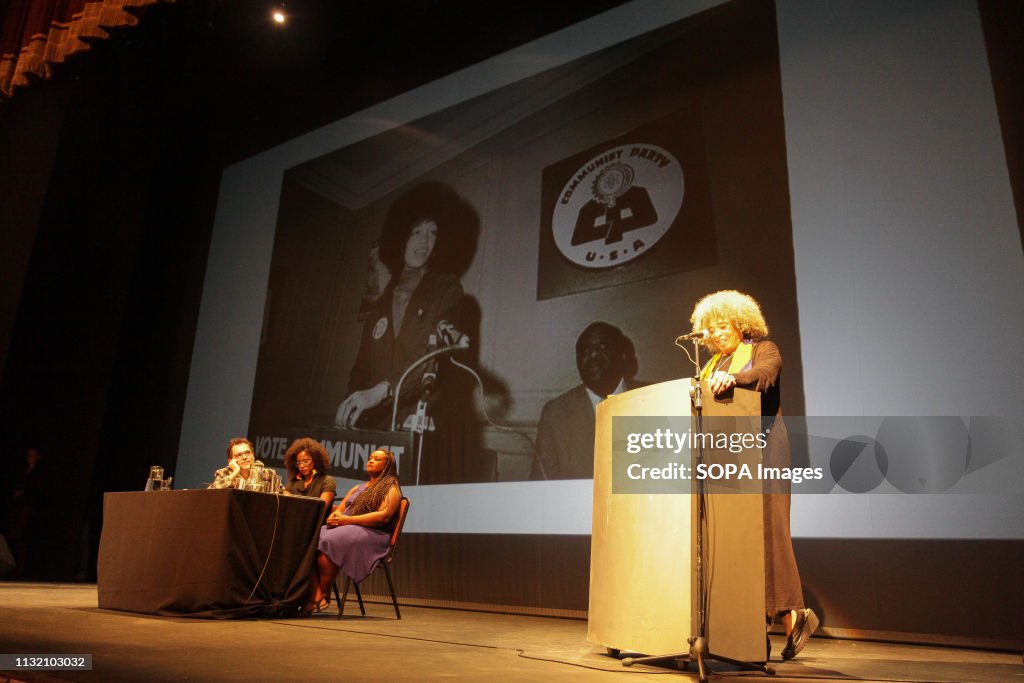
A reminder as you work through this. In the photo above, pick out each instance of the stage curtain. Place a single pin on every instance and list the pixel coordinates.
(37, 34)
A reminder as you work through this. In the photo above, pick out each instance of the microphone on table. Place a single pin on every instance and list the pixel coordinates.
(699, 334)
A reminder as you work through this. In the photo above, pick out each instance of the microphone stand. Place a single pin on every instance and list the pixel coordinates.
(698, 651)
(463, 343)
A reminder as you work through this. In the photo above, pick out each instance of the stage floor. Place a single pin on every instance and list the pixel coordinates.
(426, 645)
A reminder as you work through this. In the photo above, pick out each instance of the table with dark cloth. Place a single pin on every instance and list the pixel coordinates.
(207, 553)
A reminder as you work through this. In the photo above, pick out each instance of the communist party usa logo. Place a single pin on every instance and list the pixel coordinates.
(617, 205)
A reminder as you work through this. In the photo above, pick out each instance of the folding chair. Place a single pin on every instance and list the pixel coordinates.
(384, 562)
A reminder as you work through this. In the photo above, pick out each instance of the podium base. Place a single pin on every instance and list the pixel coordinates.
(699, 653)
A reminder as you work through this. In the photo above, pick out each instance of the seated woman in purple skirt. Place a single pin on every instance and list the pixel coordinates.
(358, 532)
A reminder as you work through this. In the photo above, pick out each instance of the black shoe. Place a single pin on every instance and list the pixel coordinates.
(806, 624)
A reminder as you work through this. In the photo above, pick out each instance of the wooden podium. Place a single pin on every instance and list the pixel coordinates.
(643, 575)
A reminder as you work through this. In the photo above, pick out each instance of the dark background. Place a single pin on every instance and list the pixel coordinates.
(110, 175)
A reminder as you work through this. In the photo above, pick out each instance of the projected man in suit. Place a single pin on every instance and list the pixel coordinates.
(607, 363)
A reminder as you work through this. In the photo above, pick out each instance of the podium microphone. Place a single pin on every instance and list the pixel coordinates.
(699, 334)
(451, 336)
(428, 380)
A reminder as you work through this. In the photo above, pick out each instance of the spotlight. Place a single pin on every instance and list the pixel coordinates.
(278, 15)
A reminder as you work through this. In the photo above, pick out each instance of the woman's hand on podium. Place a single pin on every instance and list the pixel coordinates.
(720, 382)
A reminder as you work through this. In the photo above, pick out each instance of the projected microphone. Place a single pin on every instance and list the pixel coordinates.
(428, 381)
(451, 336)
(699, 334)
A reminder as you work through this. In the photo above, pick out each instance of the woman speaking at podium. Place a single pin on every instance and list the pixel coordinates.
(744, 357)
(415, 301)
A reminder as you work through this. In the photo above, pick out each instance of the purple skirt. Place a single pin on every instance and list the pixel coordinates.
(355, 549)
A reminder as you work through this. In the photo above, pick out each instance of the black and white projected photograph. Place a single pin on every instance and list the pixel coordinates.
(546, 340)
(592, 192)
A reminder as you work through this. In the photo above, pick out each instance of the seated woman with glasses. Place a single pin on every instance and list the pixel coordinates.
(307, 465)
(240, 459)
(358, 533)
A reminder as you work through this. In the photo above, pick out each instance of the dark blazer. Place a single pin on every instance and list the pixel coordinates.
(382, 355)
(565, 436)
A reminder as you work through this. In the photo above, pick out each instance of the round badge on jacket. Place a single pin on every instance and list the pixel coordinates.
(380, 328)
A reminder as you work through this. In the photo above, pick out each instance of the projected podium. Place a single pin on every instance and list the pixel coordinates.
(643, 575)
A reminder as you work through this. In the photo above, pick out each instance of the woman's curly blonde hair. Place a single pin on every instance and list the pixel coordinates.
(738, 308)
